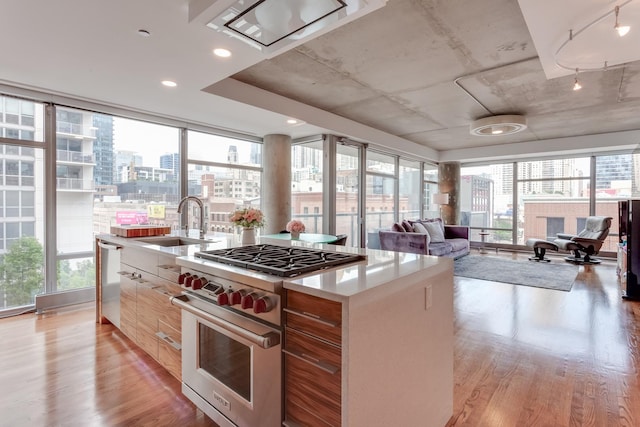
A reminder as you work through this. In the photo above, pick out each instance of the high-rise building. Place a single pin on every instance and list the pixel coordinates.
(125, 163)
(232, 155)
(613, 168)
(103, 173)
(171, 161)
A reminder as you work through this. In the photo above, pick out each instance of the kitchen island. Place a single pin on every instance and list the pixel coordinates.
(369, 343)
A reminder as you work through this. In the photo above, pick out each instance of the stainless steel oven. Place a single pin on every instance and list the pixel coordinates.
(231, 328)
(231, 365)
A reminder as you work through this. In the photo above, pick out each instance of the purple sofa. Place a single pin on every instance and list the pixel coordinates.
(454, 245)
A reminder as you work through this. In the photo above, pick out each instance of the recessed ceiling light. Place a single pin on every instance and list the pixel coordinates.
(169, 83)
(222, 53)
(144, 33)
(292, 121)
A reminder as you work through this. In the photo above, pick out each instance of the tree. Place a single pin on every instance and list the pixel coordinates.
(21, 271)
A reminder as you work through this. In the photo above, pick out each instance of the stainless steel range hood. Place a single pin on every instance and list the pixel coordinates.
(275, 26)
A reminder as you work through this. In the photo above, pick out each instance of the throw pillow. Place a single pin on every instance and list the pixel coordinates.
(397, 227)
(419, 228)
(407, 226)
(435, 231)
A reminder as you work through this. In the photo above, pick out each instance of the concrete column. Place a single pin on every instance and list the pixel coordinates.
(276, 179)
(449, 182)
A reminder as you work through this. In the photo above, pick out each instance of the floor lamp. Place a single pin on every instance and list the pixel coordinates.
(440, 199)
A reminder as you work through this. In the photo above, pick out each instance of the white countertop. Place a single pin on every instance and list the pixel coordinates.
(393, 269)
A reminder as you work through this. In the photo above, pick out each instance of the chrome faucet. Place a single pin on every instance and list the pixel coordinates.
(200, 205)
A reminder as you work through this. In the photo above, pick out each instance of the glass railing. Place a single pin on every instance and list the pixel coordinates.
(74, 157)
(75, 129)
(74, 184)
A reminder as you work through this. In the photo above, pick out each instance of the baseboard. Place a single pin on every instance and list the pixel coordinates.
(64, 298)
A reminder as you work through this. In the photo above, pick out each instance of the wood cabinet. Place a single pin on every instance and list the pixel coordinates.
(147, 316)
(312, 362)
(357, 354)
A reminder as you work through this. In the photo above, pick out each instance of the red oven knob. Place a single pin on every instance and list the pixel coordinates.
(262, 305)
(248, 299)
(223, 299)
(189, 280)
(198, 283)
(183, 277)
(236, 296)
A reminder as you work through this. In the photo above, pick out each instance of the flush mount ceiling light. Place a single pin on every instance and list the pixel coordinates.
(498, 125)
(169, 83)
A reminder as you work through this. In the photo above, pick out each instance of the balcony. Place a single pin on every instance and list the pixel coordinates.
(75, 130)
(66, 156)
(74, 184)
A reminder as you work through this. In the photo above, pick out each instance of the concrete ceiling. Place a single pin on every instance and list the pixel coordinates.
(411, 75)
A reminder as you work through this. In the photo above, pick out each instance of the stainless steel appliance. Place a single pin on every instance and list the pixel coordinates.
(110, 281)
(231, 328)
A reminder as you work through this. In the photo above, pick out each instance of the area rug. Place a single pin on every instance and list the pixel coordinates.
(552, 275)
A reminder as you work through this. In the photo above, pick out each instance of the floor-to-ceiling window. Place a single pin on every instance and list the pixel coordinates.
(225, 172)
(429, 188)
(553, 197)
(307, 185)
(108, 173)
(380, 202)
(22, 237)
(409, 189)
(348, 203)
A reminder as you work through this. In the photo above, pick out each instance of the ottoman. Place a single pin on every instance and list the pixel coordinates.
(540, 247)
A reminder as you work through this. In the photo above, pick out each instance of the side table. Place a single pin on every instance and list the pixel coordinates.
(483, 235)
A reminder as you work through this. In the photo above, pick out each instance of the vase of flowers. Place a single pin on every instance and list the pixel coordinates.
(295, 227)
(249, 219)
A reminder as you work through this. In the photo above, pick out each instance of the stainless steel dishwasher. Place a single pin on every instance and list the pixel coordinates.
(110, 265)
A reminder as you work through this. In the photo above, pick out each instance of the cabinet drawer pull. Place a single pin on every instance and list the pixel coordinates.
(327, 367)
(166, 338)
(313, 317)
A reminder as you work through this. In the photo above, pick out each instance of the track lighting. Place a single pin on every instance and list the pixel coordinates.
(621, 29)
(576, 82)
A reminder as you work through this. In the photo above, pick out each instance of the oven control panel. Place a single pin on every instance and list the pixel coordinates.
(236, 296)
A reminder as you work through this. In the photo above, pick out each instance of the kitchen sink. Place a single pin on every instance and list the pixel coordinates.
(173, 241)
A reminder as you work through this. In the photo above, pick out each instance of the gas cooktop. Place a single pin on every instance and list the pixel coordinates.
(279, 260)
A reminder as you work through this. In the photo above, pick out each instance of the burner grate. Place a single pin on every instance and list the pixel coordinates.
(279, 260)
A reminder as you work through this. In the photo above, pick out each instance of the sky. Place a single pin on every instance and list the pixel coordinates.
(152, 141)
(149, 140)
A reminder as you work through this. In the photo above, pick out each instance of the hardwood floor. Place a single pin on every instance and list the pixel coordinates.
(523, 357)
(63, 369)
(537, 357)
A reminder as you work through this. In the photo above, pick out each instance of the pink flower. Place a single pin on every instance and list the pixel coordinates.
(247, 217)
(295, 226)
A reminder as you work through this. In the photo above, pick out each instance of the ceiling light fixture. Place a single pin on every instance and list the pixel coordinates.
(498, 125)
(621, 29)
(144, 33)
(576, 83)
(578, 51)
(169, 83)
(222, 53)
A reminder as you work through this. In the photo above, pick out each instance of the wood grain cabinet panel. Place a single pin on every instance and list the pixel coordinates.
(147, 316)
(316, 316)
(170, 349)
(312, 362)
(128, 310)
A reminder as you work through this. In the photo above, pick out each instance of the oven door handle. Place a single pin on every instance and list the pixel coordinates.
(268, 340)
